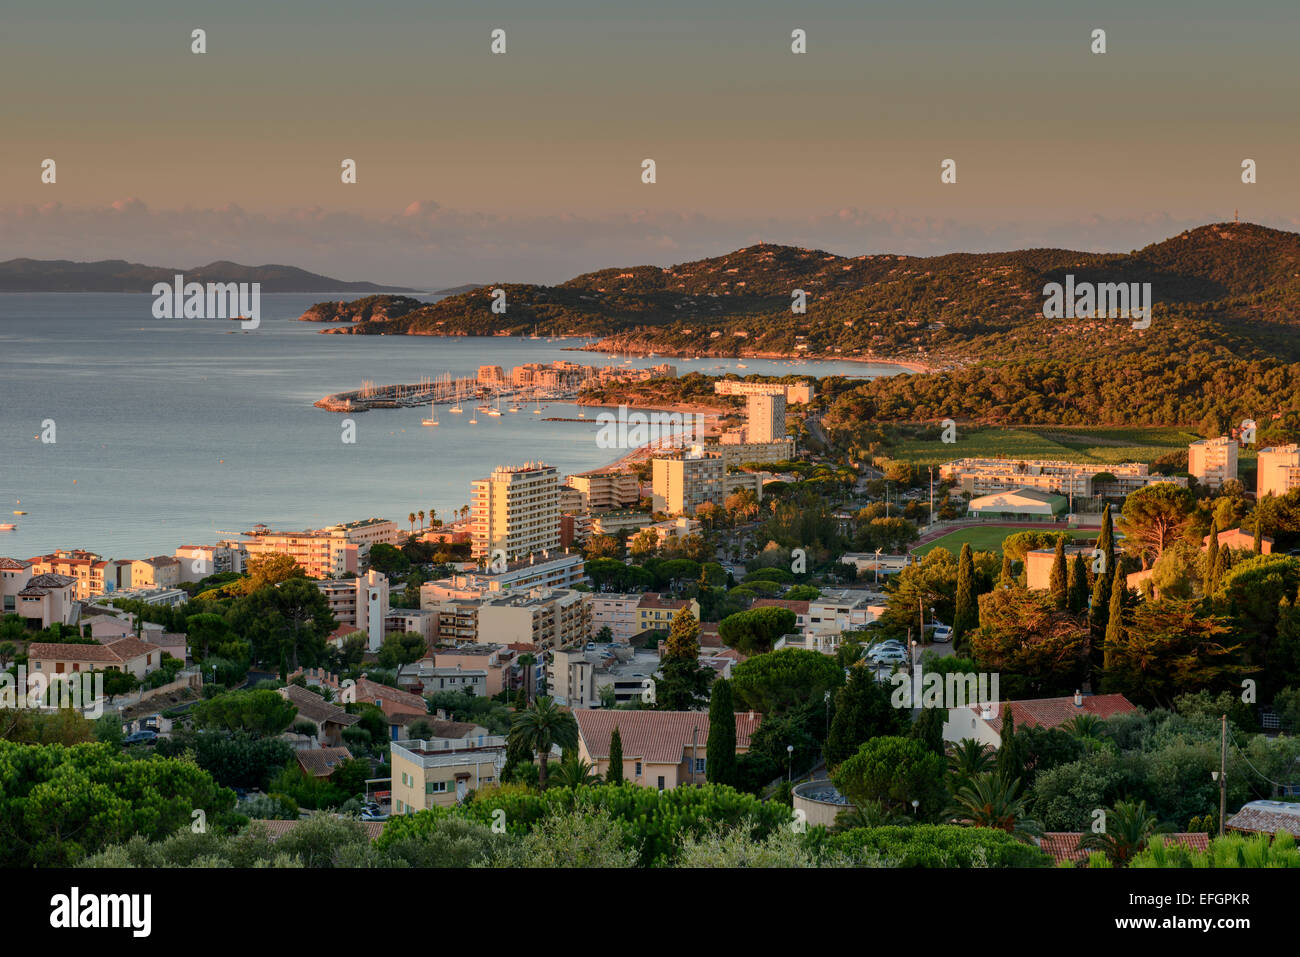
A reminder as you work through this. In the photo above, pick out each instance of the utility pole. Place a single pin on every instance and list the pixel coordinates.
(695, 752)
(931, 494)
(1223, 772)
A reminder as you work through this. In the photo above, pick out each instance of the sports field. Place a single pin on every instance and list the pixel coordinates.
(988, 538)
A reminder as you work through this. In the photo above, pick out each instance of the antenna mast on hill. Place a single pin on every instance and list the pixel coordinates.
(1235, 217)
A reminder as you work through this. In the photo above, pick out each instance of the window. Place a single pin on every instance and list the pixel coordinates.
(661, 782)
(638, 769)
(699, 765)
(435, 787)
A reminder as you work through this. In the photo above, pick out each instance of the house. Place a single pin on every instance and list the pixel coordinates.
(277, 829)
(390, 700)
(48, 599)
(330, 719)
(1063, 846)
(1039, 562)
(1241, 539)
(1266, 817)
(661, 749)
(442, 772)
(655, 612)
(321, 762)
(980, 723)
(125, 654)
(400, 722)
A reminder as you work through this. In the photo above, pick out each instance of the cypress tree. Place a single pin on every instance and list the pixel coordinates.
(615, 773)
(1258, 547)
(967, 612)
(1222, 562)
(928, 728)
(1057, 585)
(720, 753)
(1115, 626)
(1006, 579)
(1077, 596)
(1212, 556)
(1106, 544)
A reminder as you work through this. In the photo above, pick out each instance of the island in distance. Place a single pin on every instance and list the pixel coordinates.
(117, 275)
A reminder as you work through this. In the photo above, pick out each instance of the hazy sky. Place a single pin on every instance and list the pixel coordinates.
(527, 166)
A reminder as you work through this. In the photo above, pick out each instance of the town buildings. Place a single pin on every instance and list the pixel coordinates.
(441, 772)
(985, 476)
(685, 480)
(606, 489)
(131, 655)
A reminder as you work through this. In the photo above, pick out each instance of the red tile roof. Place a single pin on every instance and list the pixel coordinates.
(1267, 817)
(368, 690)
(315, 708)
(14, 564)
(1064, 845)
(653, 600)
(798, 607)
(1054, 712)
(321, 762)
(115, 652)
(276, 829)
(658, 737)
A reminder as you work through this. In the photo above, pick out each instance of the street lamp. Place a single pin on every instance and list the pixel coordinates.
(827, 698)
(789, 768)
(878, 551)
(915, 805)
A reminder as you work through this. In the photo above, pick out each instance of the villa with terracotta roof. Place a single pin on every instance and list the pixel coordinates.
(125, 654)
(43, 598)
(661, 749)
(979, 723)
(330, 719)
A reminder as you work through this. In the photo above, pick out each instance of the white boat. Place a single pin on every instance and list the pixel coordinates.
(433, 411)
(456, 409)
(538, 410)
(8, 527)
(497, 410)
(514, 407)
(472, 420)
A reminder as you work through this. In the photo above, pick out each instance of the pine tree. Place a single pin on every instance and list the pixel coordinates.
(928, 727)
(720, 755)
(615, 773)
(1222, 562)
(862, 711)
(1006, 579)
(1077, 596)
(966, 616)
(683, 681)
(1258, 546)
(683, 636)
(1211, 556)
(1057, 584)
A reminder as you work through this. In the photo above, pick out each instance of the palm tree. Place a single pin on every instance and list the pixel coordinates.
(539, 727)
(421, 514)
(1088, 728)
(1129, 827)
(576, 773)
(412, 519)
(970, 758)
(432, 515)
(990, 800)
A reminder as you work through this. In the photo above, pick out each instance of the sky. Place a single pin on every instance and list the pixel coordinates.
(526, 166)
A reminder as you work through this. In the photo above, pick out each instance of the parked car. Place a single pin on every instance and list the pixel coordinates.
(141, 737)
(889, 656)
(942, 633)
(876, 651)
(369, 815)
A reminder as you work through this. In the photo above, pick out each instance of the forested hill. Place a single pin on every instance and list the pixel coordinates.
(1224, 335)
(1243, 278)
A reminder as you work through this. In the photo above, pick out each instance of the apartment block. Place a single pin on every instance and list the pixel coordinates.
(766, 418)
(516, 510)
(547, 618)
(571, 679)
(1213, 461)
(735, 451)
(607, 489)
(161, 571)
(1278, 470)
(794, 393)
(361, 603)
(617, 612)
(200, 561)
(683, 482)
(655, 612)
(41, 599)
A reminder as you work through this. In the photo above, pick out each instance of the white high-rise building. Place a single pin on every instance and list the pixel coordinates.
(1279, 470)
(516, 510)
(766, 418)
(1213, 461)
(372, 607)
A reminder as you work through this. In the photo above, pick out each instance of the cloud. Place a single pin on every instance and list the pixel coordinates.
(428, 244)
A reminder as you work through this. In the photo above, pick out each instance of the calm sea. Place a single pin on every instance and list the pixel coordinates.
(172, 432)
